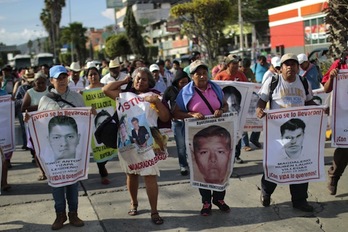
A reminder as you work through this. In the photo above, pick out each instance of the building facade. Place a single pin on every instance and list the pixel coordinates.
(298, 27)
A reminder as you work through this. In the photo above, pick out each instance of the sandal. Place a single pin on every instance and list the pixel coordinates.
(42, 177)
(156, 219)
(134, 210)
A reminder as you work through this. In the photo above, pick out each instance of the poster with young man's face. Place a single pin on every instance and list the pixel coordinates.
(62, 143)
(210, 145)
(294, 145)
(7, 135)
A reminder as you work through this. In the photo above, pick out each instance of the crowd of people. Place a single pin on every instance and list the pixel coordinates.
(178, 93)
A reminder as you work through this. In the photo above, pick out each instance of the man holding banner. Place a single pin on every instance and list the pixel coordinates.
(334, 77)
(289, 91)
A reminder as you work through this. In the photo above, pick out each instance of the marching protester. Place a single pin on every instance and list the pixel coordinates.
(190, 103)
(309, 71)
(282, 96)
(340, 157)
(31, 102)
(59, 79)
(180, 80)
(143, 83)
(114, 73)
(76, 83)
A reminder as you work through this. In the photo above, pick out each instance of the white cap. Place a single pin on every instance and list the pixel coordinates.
(90, 64)
(302, 58)
(275, 61)
(154, 67)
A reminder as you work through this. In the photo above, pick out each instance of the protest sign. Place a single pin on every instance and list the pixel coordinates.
(237, 95)
(140, 143)
(294, 145)
(210, 147)
(252, 122)
(340, 110)
(105, 107)
(7, 135)
(62, 143)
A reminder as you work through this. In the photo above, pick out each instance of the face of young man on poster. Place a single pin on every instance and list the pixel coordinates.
(293, 140)
(64, 140)
(212, 156)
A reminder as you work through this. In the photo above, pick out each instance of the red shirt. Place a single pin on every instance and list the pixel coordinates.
(224, 76)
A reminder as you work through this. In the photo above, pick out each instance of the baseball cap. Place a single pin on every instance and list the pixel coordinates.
(288, 56)
(196, 64)
(56, 70)
(302, 58)
(232, 58)
(275, 61)
(154, 67)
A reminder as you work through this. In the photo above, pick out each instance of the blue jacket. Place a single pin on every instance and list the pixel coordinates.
(186, 94)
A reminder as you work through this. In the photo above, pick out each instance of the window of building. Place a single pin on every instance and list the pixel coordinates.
(315, 31)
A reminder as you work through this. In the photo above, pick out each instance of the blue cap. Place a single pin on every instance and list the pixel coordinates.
(55, 71)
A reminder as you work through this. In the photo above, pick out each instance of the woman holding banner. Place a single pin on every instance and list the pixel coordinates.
(197, 99)
(94, 77)
(143, 83)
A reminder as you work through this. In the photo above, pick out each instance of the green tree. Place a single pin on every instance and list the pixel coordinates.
(75, 34)
(337, 18)
(133, 32)
(117, 45)
(50, 18)
(204, 19)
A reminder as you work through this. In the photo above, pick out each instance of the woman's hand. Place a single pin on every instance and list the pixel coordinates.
(26, 116)
(154, 98)
(196, 115)
(218, 113)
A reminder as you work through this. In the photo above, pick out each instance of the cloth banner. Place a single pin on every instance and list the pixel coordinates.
(340, 110)
(62, 141)
(105, 107)
(140, 144)
(294, 145)
(210, 147)
(238, 95)
(7, 124)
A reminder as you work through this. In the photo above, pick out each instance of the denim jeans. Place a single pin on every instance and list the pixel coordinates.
(245, 139)
(71, 194)
(179, 135)
(255, 136)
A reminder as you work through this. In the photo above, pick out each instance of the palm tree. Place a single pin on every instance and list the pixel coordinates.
(337, 18)
(75, 34)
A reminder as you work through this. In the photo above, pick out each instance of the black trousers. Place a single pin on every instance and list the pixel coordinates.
(298, 192)
(208, 194)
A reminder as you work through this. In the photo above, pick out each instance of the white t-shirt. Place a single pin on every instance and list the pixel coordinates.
(286, 94)
(108, 79)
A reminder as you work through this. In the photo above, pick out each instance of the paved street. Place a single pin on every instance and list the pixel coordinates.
(28, 206)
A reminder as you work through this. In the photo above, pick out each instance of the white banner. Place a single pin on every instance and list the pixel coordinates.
(62, 141)
(7, 125)
(323, 99)
(294, 145)
(210, 147)
(238, 95)
(140, 144)
(340, 110)
(252, 122)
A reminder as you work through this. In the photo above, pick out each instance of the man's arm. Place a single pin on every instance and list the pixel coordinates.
(261, 105)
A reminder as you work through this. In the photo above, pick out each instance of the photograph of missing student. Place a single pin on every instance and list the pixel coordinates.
(211, 144)
(62, 141)
(295, 140)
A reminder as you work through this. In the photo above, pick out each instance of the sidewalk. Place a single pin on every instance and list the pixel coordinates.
(28, 206)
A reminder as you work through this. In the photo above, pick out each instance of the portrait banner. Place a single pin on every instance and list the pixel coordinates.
(210, 147)
(339, 121)
(323, 99)
(7, 124)
(62, 139)
(252, 122)
(238, 96)
(140, 144)
(105, 107)
(294, 145)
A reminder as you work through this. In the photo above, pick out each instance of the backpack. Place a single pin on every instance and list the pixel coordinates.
(274, 83)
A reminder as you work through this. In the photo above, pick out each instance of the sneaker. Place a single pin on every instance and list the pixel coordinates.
(265, 200)
(206, 210)
(304, 207)
(184, 171)
(256, 144)
(238, 160)
(222, 205)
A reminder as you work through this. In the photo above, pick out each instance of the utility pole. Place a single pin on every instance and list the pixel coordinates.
(240, 20)
(71, 43)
